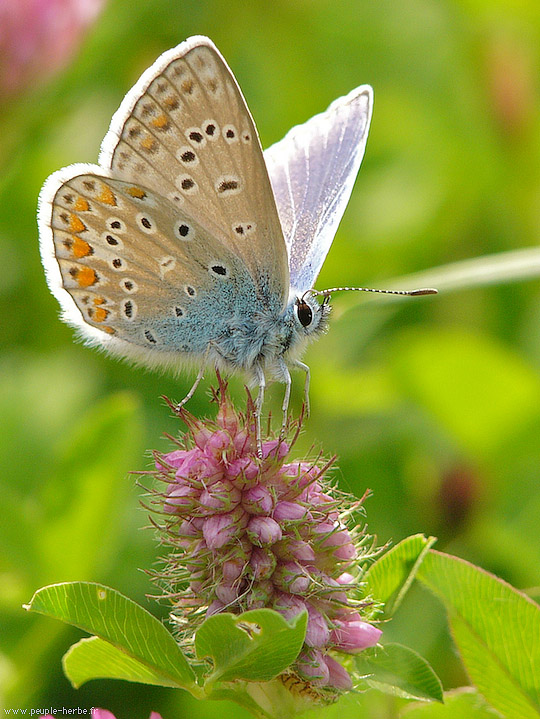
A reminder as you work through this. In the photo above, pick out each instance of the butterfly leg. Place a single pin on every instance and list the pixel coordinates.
(287, 396)
(259, 405)
(197, 382)
(303, 366)
(191, 392)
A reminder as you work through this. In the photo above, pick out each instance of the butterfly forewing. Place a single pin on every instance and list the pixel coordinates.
(312, 170)
(185, 132)
(136, 266)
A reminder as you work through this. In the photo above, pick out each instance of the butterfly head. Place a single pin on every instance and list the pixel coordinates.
(310, 315)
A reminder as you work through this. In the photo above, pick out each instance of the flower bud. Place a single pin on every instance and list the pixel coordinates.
(232, 569)
(263, 531)
(227, 593)
(317, 633)
(262, 563)
(227, 419)
(289, 512)
(200, 467)
(217, 444)
(258, 500)
(260, 595)
(172, 459)
(243, 443)
(181, 499)
(338, 676)
(354, 636)
(244, 471)
(289, 605)
(312, 666)
(220, 496)
(275, 448)
(220, 529)
(340, 540)
(292, 577)
(215, 608)
(294, 549)
(188, 529)
(201, 434)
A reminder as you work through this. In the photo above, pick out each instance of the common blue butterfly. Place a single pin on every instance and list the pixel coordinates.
(187, 243)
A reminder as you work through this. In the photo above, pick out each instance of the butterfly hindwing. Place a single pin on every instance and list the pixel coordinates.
(184, 131)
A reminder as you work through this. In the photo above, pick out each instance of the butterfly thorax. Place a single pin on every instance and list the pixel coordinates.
(267, 339)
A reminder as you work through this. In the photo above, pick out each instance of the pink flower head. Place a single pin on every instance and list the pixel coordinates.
(250, 531)
(37, 38)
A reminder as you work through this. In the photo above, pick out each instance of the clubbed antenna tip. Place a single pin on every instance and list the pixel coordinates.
(424, 291)
(408, 293)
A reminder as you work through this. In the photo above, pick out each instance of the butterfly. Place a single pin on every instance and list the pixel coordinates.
(186, 243)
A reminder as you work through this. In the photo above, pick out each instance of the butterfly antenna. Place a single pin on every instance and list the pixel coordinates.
(408, 293)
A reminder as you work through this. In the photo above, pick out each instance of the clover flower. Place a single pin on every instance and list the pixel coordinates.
(251, 531)
(38, 38)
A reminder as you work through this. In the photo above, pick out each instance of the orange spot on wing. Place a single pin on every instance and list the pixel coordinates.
(171, 102)
(187, 86)
(100, 314)
(81, 205)
(76, 224)
(80, 248)
(107, 197)
(99, 300)
(161, 122)
(136, 192)
(86, 276)
(149, 144)
(109, 330)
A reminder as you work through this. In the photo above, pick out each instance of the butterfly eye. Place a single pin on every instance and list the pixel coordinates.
(304, 313)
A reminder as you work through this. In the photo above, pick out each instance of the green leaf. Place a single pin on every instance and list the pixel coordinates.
(496, 629)
(398, 670)
(119, 621)
(95, 658)
(464, 703)
(255, 646)
(389, 578)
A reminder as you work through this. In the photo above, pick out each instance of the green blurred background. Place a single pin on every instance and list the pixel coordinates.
(433, 403)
